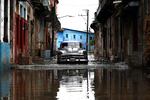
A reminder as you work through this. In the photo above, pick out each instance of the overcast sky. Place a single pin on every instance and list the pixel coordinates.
(75, 8)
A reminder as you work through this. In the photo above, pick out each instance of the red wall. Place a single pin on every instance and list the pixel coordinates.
(21, 38)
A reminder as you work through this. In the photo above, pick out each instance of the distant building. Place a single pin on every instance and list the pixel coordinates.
(75, 35)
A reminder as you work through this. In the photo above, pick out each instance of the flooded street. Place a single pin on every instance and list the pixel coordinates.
(95, 83)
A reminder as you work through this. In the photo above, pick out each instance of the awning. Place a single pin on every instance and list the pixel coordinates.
(39, 9)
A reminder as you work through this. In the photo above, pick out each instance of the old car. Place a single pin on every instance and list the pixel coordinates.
(70, 52)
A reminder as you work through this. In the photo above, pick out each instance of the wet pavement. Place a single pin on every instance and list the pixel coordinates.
(75, 82)
(92, 81)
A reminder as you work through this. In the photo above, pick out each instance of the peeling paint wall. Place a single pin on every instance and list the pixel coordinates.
(4, 55)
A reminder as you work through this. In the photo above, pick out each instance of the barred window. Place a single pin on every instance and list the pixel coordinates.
(80, 36)
(74, 36)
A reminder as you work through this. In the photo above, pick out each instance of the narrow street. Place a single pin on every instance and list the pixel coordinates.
(74, 49)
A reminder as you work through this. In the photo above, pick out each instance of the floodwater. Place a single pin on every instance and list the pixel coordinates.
(75, 84)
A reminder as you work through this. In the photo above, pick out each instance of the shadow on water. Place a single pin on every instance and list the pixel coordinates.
(5, 80)
(76, 84)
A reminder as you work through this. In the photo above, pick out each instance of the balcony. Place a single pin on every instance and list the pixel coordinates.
(104, 10)
(41, 7)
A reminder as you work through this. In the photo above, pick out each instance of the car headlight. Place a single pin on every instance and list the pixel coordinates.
(81, 51)
(63, 51)
(59, 53)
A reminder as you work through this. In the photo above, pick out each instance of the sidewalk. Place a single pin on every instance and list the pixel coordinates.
(52, 60)
(38, 60)
(91, 59)
(106, 61)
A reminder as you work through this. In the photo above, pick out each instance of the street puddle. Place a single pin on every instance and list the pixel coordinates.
(75, 84)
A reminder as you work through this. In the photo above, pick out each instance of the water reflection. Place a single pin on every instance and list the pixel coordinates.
(113, 84)
(34, 85)
(5, 80)
(75, 84)
(51, 85)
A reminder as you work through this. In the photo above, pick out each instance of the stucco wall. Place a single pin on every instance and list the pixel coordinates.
(73, 35)
(4, 56)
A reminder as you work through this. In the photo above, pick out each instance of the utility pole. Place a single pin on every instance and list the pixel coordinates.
(87, 34)
(53, 26)
(87, 28)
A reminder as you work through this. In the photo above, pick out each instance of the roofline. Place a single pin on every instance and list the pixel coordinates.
(75, 30)
(70, 41)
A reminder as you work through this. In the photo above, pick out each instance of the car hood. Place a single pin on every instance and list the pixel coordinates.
(71, 50)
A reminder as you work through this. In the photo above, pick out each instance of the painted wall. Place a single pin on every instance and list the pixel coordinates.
(20, 36)
(73, 35)
(4, 56)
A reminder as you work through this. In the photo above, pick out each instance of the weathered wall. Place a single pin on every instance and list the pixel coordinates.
(146, 56)
(4, 56)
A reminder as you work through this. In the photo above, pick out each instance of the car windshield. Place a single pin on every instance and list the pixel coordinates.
(71, 45)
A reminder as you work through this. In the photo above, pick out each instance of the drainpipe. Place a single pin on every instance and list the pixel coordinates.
(87, 35)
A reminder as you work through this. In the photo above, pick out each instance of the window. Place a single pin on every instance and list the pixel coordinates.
(21, 12)
(66, 35)
(24, 13)
(74, 36)
(90, 38)
(80, 36)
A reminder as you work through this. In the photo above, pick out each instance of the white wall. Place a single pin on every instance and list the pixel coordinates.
(2, 20)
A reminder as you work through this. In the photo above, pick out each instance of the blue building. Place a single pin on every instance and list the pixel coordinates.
(75, 35)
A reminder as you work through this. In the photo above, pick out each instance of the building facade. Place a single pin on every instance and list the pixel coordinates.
(21, 34)
(120, 26)
(26, 29)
